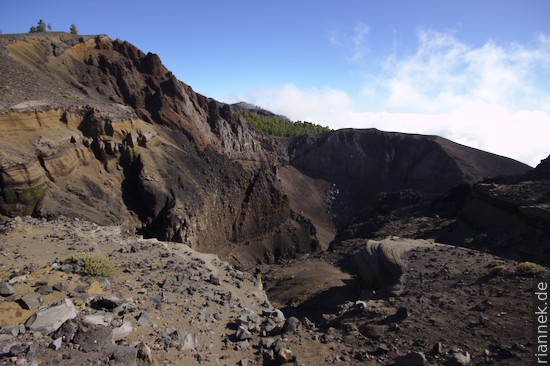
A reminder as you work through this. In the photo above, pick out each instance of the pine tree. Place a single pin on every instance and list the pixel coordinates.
(73, 29)
(40, 28)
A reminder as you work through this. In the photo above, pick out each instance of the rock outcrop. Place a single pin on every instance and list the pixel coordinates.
(513, 215)
(121, 140)
(380, 263)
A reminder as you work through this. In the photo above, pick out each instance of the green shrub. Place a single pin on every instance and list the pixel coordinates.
(528, 269)
(497, 270)
(496, 263)
(93, 264)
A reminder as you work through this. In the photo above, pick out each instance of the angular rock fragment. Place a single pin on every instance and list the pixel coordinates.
(44, 290)
(143, 318)
(6, 289)
(242, 334)
(99, 318)
(31, 300)
(124, 355)
(49, 319)
(122, 332)
(56, 344)
(94, 338)
(292, 325)
(61, 287)
(214, 280)
(187, 341)
(144, 353)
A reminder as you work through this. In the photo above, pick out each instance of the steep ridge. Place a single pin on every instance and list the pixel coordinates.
(120, 140)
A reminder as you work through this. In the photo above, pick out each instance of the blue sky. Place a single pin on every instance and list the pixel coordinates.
(477, 72)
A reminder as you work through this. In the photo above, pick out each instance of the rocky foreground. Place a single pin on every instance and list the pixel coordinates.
(167, 304)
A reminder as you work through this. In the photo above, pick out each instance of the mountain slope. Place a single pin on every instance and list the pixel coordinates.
(107, 133)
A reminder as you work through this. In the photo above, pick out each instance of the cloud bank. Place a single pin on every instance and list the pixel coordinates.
(492, 97)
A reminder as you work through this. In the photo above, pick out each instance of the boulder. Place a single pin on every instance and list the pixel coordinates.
(49, 319)
(380, 263)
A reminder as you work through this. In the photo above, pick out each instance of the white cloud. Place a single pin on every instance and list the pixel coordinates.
(324, 106)
(493, 97)
(354, 43)
(445, 73)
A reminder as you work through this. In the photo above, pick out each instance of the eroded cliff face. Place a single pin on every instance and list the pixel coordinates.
(126, 142)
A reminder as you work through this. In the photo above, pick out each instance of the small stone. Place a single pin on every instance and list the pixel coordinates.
(125, 308)
(61, 287)
(244, 361)
(122, 332)
(6, 289)
(56, 344)
(94, 338)
(168, 282)
(31, 300)
(483, 320)
(44, 290)
(266, 343)
(403, 313)
(143, 318)
(292, 325)
(383, 348)
(214, 280)
(6, 343)
(437, 349)
(242, 334)
(144, 353)
(187, 340)
(99, 318)
(124, 355)
(12, 330)
(284, 355)
(411, 359)
(459, 359)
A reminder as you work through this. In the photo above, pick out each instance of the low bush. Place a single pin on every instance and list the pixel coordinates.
(528, 269)
(497, 270)
(93, 264)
